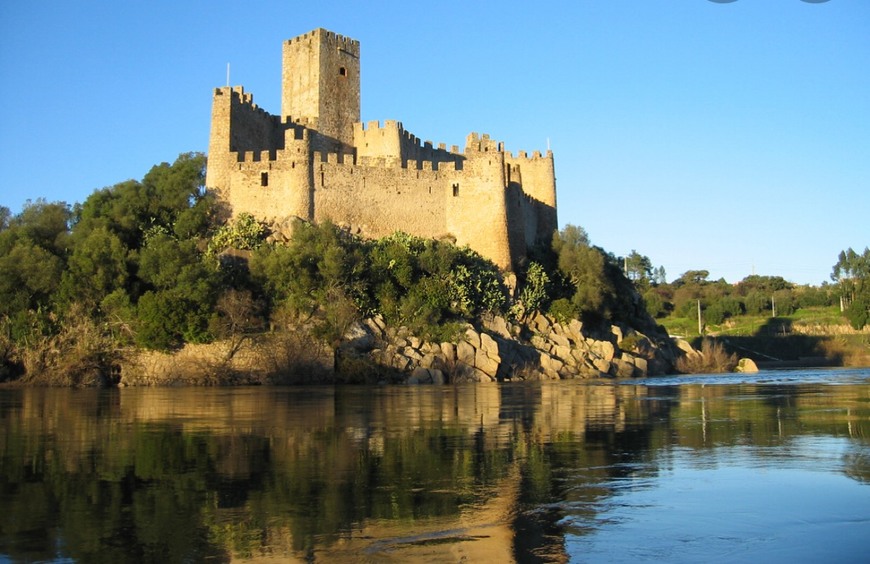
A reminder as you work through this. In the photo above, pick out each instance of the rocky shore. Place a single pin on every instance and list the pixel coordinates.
(372, 352)
(541, 349)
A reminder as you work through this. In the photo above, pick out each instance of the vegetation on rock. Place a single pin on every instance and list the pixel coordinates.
(153, 264)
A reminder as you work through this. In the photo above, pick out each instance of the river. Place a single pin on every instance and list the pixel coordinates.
(771, 467)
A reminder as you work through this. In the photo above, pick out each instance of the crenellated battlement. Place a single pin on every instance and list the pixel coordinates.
(237, 95)
(477, 143)
(317, 160)
(330, 36)
(522, 155)
(257, 156)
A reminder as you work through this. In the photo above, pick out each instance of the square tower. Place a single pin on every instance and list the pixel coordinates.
(320, 82)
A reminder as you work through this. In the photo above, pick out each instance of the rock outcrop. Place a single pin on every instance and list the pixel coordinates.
(540, 349)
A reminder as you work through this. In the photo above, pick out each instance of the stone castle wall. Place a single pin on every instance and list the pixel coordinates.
(317, 161)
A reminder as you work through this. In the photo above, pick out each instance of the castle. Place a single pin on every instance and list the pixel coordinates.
(317, 161)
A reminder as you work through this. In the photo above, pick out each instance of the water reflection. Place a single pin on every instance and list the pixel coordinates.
(515, 472)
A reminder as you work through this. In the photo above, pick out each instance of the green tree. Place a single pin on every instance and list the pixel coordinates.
(172, 197)
(697, 277)
(181, 280)
(757, 302)
(317, 275)
(40, 223)
(638, 269)
(96, 268)
(656, 302)
(29, 277)
(766, 284)
(852, 275)
(584, 267)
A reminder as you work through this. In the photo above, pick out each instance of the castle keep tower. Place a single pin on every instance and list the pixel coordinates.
(320, 83)
(317, 161)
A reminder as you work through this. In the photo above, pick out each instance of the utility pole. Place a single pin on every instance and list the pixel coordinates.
(773, 304)
(699, 319)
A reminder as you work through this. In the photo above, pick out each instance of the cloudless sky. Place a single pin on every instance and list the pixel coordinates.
(731, 137)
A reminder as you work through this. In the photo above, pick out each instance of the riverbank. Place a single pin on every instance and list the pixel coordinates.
(373, 352)
(494, 350)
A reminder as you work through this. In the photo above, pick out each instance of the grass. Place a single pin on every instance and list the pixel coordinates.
(825, 335)
(752, 325)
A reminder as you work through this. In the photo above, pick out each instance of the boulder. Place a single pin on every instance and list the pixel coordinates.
(541, 343)
(621, 368)
(541, 323)
(551, 364)
(642, 367)
(601, 365)
(473, 337)
(448, 351)
(430, 360)
(465, 352)
(746, 365)
(438, 377)
(488, 345)
(420, 375)
(616, 330)
(499, 326)
(463, 373)
(488, 365)
(603, 349)
(562, 351)
(575, 330)
(412, 354)
(559, 339)
(684, 346)
(481, 376)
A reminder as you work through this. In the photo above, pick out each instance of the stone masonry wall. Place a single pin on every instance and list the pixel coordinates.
(317, 162)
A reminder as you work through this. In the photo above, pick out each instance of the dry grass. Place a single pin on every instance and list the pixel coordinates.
(80, 354)
(712, 359)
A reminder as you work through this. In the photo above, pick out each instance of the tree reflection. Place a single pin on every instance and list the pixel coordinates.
(192, 475)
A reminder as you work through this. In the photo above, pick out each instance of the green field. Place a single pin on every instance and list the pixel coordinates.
(810, 333)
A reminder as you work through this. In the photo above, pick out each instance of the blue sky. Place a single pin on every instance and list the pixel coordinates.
(729, 137)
